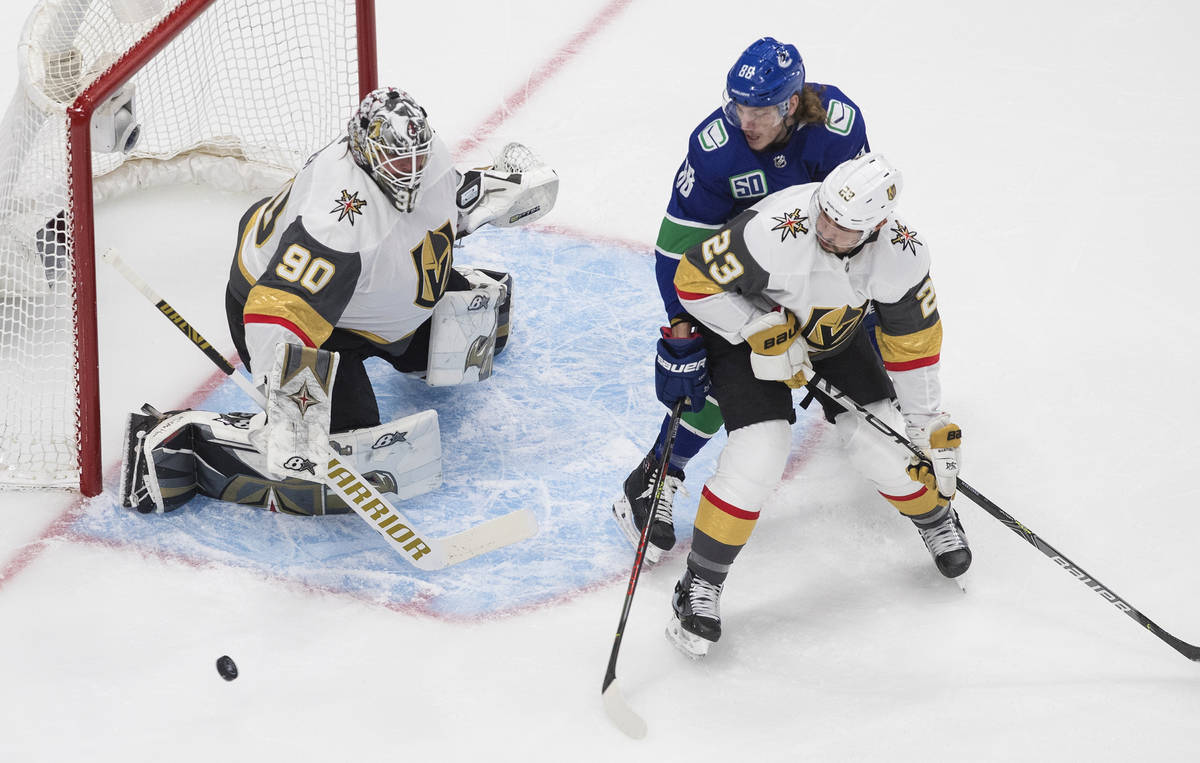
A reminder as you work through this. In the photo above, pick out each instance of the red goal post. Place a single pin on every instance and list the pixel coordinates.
(209, 79)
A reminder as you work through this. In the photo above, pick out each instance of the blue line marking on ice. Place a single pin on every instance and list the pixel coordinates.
(568, 412)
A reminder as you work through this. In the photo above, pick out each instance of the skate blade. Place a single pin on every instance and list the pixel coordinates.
(622, 514)
(692, 646)
(962, 581)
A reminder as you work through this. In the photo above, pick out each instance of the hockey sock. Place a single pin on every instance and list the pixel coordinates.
(720, 533)
(695, 430)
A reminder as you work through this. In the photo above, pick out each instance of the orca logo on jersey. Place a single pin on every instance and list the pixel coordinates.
(828, 327)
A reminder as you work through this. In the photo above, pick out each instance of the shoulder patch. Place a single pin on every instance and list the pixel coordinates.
(907, 239)
(347, 206)
(713, 136)
(791, 224)
(748, 185)
(839, 117)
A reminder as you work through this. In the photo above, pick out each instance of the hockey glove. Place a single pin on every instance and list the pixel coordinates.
(775, 353)
(939, 439)
(681, 371)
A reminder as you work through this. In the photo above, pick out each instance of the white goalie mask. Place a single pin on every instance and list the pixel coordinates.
(390, 138)
(857, 196)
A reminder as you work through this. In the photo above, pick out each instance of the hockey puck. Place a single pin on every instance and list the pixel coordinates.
(227, 667)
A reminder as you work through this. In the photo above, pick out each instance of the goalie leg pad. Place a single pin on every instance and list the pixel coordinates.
(462, 336)
(295, 436)
(158, 471)
(403, 457)
(504, 314)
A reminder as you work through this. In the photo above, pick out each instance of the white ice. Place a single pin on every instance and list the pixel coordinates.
(1050, 152)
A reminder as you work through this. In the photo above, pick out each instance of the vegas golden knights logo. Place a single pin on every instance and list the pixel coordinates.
(828, 327)
(433, 258)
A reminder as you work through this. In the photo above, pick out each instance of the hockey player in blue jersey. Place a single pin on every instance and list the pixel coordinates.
(774, 130)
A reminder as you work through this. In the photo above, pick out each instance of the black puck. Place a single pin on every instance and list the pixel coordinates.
(227, 667)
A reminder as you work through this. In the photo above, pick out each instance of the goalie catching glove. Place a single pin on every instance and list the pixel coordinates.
(516, 190)
(775, 353)
(939, 439)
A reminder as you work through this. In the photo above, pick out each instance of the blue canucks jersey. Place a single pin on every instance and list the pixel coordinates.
(721, 176)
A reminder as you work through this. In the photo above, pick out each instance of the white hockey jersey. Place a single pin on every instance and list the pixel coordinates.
(768, 256)
(330, 251)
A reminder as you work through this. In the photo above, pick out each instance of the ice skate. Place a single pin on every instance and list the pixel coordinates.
(633, 506)
(947, 544)
(696, 621)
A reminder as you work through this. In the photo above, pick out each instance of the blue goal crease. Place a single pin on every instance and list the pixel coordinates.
(567, 413)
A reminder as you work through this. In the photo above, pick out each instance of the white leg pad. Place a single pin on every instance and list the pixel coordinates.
(406, 453)
(462, 338)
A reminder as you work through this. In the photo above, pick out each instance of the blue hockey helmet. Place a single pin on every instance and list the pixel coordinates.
(766, 74)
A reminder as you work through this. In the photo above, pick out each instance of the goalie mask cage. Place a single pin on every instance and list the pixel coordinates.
(235, 93)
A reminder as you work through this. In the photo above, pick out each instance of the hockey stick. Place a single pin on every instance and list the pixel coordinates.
(1190, 651)
(615, 706)
(344, 480)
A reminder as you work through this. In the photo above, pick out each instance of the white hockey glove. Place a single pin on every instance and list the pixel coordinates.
(939, 439)
(518, 189)
(775, 353)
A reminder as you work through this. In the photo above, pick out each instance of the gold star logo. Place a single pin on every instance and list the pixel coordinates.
(791, 224)
(907, 239)
(303, 398)
(348, 205)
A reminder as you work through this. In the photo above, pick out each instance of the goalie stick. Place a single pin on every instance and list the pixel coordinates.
(618, 710)
(343, 479)
(1191, 651)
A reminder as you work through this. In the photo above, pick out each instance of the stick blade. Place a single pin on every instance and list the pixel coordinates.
(621, 714)
(513, 527)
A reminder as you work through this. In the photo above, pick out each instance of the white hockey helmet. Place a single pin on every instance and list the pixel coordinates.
(390, 138)
(859, 194)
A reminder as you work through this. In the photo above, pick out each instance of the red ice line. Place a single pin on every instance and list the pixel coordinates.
(541, 75)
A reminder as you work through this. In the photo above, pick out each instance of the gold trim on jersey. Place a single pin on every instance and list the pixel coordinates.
(925, 343)
(263, 300)
(692, 280)
(242, 244)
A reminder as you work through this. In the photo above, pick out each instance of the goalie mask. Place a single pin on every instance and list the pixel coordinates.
(854, 200)
(391, 139)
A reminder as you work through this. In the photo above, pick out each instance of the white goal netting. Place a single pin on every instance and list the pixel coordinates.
(241, 97)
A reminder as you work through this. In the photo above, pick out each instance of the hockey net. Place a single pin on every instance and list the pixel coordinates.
(235, 93)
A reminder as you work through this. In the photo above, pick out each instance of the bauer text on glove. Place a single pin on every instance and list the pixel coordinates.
(681, 371)
(777, 351)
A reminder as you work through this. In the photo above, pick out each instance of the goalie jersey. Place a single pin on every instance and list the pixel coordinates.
(768, 256)
(330, 251)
